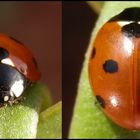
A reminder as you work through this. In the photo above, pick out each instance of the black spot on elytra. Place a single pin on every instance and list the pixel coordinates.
(16, 40)
(129, 14)
(101, 101)
(35, 63)
(131, 30)
(3, 53)
(93, 53)
(110, 66)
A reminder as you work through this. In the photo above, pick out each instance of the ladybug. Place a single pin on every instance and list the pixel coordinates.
(114, 68)
(18, 69)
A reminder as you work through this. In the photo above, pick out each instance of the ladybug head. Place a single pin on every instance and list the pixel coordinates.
(12, 83)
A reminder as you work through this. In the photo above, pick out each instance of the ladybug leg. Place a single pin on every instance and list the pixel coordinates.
(17, 100)
(3, 105)
(20, 99)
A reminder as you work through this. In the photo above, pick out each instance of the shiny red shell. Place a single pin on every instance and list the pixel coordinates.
(21, 56)
(114, 69)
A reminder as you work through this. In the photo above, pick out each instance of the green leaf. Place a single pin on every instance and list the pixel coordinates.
(96, 6)
(50, 122)
(88, 119)
(20, 120)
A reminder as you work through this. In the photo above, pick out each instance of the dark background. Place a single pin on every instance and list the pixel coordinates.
(38, 24)
(78, 22)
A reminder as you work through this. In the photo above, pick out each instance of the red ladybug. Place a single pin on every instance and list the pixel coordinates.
(114, 68)
(18, 69)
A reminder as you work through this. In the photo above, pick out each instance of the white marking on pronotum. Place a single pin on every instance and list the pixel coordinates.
(8, 61)
(17, 88)
(6, 98)
(122, 23)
